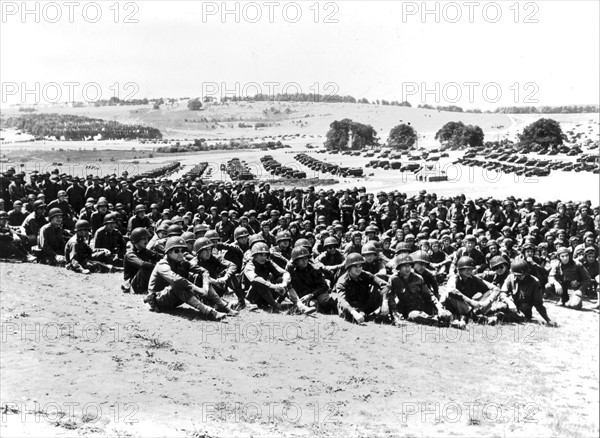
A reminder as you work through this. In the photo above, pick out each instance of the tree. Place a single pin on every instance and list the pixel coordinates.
(194, 104)
(545, 132)
(457, 134)
(402, 136)
(471, 136)
(449, 131)
(338, 135)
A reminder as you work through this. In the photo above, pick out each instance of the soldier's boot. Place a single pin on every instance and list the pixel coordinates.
(227, 309)
(459, 323)
(597, 306)
(575, 300)
(422, 318)
(302, 308)
(205, 311)
(150, 299)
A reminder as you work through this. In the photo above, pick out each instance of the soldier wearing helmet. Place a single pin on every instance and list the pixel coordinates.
(309, 283)
(174, 281)
(223, 273)
(80, 257)
(109, 238)
(62, 203)
(568, 279)
(331, 260)
(283, 246)
(421, 266)
(374, 263)
(525, 292)
(469, 250)
(52, 240)
(416, 301)
(467, 294)
(34, 222)
(139, 219)
(499, 270)
(97, 217)
(11, 244)
(267, 283)
(361, 296)
(139, 262)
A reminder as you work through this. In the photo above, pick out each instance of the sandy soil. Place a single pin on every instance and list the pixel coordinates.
(77, 345)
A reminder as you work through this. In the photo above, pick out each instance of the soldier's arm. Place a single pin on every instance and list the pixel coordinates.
(254, 278)
(132, 258)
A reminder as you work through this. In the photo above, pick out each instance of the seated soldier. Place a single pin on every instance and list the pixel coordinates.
(138, 263)
(79, 255)
(468, 295)
(108, 237)
(11, 245)
(331, 261)
(51, 240)
(421, 267)
(174, 282)
(373, 263)
(157, 242)
(309, 283)
(416, 302)
(498, 271)
(361, 296)
(265, 278)
(469, 250)
(569, 279)
(526, 293)
(222, 273)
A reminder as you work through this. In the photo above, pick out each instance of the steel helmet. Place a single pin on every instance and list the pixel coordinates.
(55, 212)
(188, 236)
(372, 229)
(403, 246)
(260, 248)
(498, 261)
(299, 252)
(465, 262)
(303, 242)
(140, 207)
(330, 241)
(174, 242)
(255, 238)
(138, 234)
(82, 225)
(404, 260)
(109, 219)
(3, 215)
(202, 243)
(240, 232)
(491, 243)
(163, 227)
(368, 248)
(212, 235)
(420, 257)
(519, 266)
(283, 235)
(174, 230)
(354, 259)
(563, 250)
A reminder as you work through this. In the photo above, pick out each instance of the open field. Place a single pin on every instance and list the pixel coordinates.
(76, 344)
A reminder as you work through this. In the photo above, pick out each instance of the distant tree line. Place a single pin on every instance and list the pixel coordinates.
(77, 127)
(564, 109)
(200, 145)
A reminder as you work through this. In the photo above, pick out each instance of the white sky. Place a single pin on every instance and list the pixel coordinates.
(373, 51)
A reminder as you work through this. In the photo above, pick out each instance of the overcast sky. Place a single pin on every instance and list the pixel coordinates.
(369, 49)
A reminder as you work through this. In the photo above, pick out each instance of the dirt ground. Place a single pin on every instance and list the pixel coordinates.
(79, 357)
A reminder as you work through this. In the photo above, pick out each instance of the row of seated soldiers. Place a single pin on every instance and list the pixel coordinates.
(360, 271)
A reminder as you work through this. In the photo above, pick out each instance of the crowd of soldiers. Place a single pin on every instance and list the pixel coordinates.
(384, 257)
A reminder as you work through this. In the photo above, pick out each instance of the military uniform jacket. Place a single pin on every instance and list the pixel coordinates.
(168, 273)
(353, 293)
(412, 294)
(138, 259)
